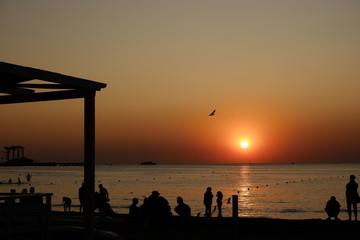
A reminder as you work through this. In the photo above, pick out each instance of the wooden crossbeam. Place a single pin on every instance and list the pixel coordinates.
(33, 73)
(15, 90)
(44, 96)
(45, 86)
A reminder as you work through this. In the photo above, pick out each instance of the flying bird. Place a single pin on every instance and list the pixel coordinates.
(212, 114)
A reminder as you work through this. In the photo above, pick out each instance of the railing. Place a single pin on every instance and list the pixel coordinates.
(25, 214)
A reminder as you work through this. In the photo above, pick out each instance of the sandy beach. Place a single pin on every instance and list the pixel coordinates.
(217, 228)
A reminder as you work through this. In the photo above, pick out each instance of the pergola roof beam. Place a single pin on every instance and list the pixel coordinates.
(15, 89)
(33, 73)
(45, 86)
(45, 96)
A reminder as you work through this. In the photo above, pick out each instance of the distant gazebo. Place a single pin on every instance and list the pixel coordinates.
(17, 86)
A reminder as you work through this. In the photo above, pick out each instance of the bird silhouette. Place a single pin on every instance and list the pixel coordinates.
(212, 114)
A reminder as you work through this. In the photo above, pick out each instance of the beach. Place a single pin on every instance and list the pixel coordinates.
(217, 228)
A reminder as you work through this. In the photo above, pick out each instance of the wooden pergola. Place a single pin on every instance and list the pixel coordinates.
(17, 86)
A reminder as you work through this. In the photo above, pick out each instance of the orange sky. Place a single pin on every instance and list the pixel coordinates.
(283, 75)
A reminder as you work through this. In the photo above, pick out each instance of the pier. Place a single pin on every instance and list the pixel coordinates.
(42, 164)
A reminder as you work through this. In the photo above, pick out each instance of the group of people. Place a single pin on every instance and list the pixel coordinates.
(156, 206)
(208, 199)
(101, 200)
(332, 207)
(32, 200)
(27, 176)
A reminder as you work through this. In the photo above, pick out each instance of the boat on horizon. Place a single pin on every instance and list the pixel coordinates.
(148, 163)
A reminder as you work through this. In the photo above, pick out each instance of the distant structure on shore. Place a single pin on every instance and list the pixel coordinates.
(148, 163)
(15, 157)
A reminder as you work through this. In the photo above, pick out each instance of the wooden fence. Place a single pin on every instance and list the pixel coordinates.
(25, 215)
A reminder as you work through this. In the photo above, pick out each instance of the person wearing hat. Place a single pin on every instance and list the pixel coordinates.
(352, 196)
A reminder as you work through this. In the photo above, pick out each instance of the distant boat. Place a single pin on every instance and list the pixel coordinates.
(148, 163)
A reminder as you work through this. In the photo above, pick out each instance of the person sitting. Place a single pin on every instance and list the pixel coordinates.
(103, 206)
(156, 207)
(134, 211)
(67, 204)
(332, 208)
(183, 210)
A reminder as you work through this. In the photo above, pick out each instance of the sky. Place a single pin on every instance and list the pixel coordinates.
(282, 75)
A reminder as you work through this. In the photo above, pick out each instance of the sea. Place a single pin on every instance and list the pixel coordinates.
(286, 191)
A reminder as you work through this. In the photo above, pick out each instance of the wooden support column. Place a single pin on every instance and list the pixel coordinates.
(235, 215)
(89, 164)
(235, 206)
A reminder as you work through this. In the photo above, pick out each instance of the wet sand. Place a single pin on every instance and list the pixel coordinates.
(217, 228)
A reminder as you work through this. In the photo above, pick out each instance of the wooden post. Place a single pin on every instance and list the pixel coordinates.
(48, 235)
(235, 214)
(235, 207)
(9, 215)
(89, 164)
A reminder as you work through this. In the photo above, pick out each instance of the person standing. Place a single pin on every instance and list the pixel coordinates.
(208, 196)
(81, 195)
(219, 197)
(352, 196)
(28, 177)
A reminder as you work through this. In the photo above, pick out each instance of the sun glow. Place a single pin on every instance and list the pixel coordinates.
(244, 144)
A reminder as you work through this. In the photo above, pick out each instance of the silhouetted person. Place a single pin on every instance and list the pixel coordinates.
(102, 205)
(182, 209)
(332, 208)
(156, 207)
(352, 196)
(104, 195)
(19, 181)
(67, 204)
(81, 196)
(28, 177)
(10, 181)
(134, 210)
(208, 196)
(219, 197)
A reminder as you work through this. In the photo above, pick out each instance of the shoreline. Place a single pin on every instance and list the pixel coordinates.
(215, 228)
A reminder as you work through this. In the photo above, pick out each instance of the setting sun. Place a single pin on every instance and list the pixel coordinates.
(244, 144)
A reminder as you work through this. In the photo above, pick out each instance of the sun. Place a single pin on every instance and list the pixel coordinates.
(244, 144)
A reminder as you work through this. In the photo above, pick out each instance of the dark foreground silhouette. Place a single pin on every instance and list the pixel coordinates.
(219, 228)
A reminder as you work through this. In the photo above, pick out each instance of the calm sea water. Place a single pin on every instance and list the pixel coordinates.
(288, 191)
